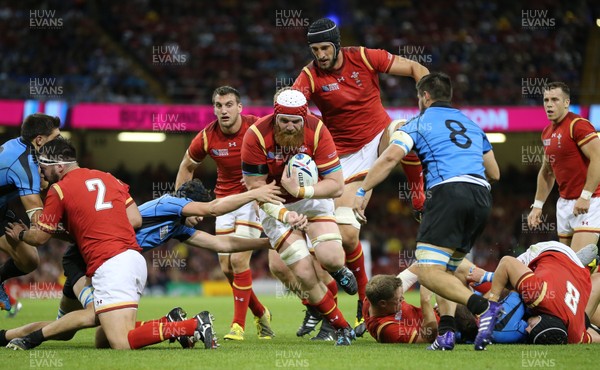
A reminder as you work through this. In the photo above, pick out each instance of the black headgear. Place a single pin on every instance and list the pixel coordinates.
(194, 190)
(324, 30)
(549, 330)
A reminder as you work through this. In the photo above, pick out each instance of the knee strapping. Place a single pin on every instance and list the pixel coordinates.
(326, 238)
(295, 252)
(431, 256)
(86, 296)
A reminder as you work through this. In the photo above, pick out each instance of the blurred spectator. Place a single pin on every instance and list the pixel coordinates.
(145, 51)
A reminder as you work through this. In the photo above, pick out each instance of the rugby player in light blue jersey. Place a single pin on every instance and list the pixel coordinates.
(458, 165)
(20, 178)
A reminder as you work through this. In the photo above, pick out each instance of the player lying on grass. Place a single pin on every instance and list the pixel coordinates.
(162, 219)
(556, 300)
(525, 324)
(391, 320)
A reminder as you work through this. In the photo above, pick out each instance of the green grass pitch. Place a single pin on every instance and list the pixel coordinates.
(284, 351)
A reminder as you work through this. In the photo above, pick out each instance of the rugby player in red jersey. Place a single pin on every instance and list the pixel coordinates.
(308, 211)
(344, 85)
(557, 300)
(572, 160)
(97, 211)
(389, 319)
(222, 141)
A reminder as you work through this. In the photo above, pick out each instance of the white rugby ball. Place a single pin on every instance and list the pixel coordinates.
(306, 168)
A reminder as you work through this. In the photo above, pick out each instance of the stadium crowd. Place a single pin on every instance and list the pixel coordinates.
(189, 49)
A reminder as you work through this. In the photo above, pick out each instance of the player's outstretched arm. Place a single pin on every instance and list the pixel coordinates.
(20, 232)
(276, 209)
(134, 215)
(266, 193)
(507, 274)
(378, 172)
(33, 206)
(409, 68)
(226, 243)
(186, 170)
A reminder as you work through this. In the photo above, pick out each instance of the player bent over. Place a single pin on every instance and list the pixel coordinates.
(162, 218)
(20, 177)
(558, 299)
(96, 208)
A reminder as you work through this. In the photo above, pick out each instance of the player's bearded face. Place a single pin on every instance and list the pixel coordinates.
(50, 174)
(324, 53)
(289, 131)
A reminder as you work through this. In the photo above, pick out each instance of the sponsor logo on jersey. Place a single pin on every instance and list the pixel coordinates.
(220, 152)
(331, 87)
(163, 232)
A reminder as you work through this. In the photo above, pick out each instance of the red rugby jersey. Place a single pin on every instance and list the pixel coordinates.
(349, 98)
(259, 148)
(389, 329)
(226, 152)
(92, 206)
(562, 144)
(563, 294)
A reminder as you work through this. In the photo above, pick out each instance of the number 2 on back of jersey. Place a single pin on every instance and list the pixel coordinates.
(98, 185)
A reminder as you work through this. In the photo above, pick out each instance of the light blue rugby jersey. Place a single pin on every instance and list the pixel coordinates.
(448, 144)
(162, 220)
(19, 173)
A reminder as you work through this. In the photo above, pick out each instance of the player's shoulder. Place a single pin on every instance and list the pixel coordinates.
(314, 125)
(211, 127)
(310, 66)
(249, 119)
(353, 50)
(263, 124)
(12, 149)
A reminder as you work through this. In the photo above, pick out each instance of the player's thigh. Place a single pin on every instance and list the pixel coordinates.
(225, 225)
(455, 215)
(225, 262)
(564, 220)
(326, 240)
(586, 227)
(101, 340)
(294, 253)
(116, 325)
(119, 283)
(581, 239)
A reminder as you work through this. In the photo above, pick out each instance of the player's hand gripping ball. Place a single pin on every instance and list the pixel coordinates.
(306, 169)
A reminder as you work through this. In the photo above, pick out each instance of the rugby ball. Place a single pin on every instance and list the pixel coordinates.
(306, 169)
